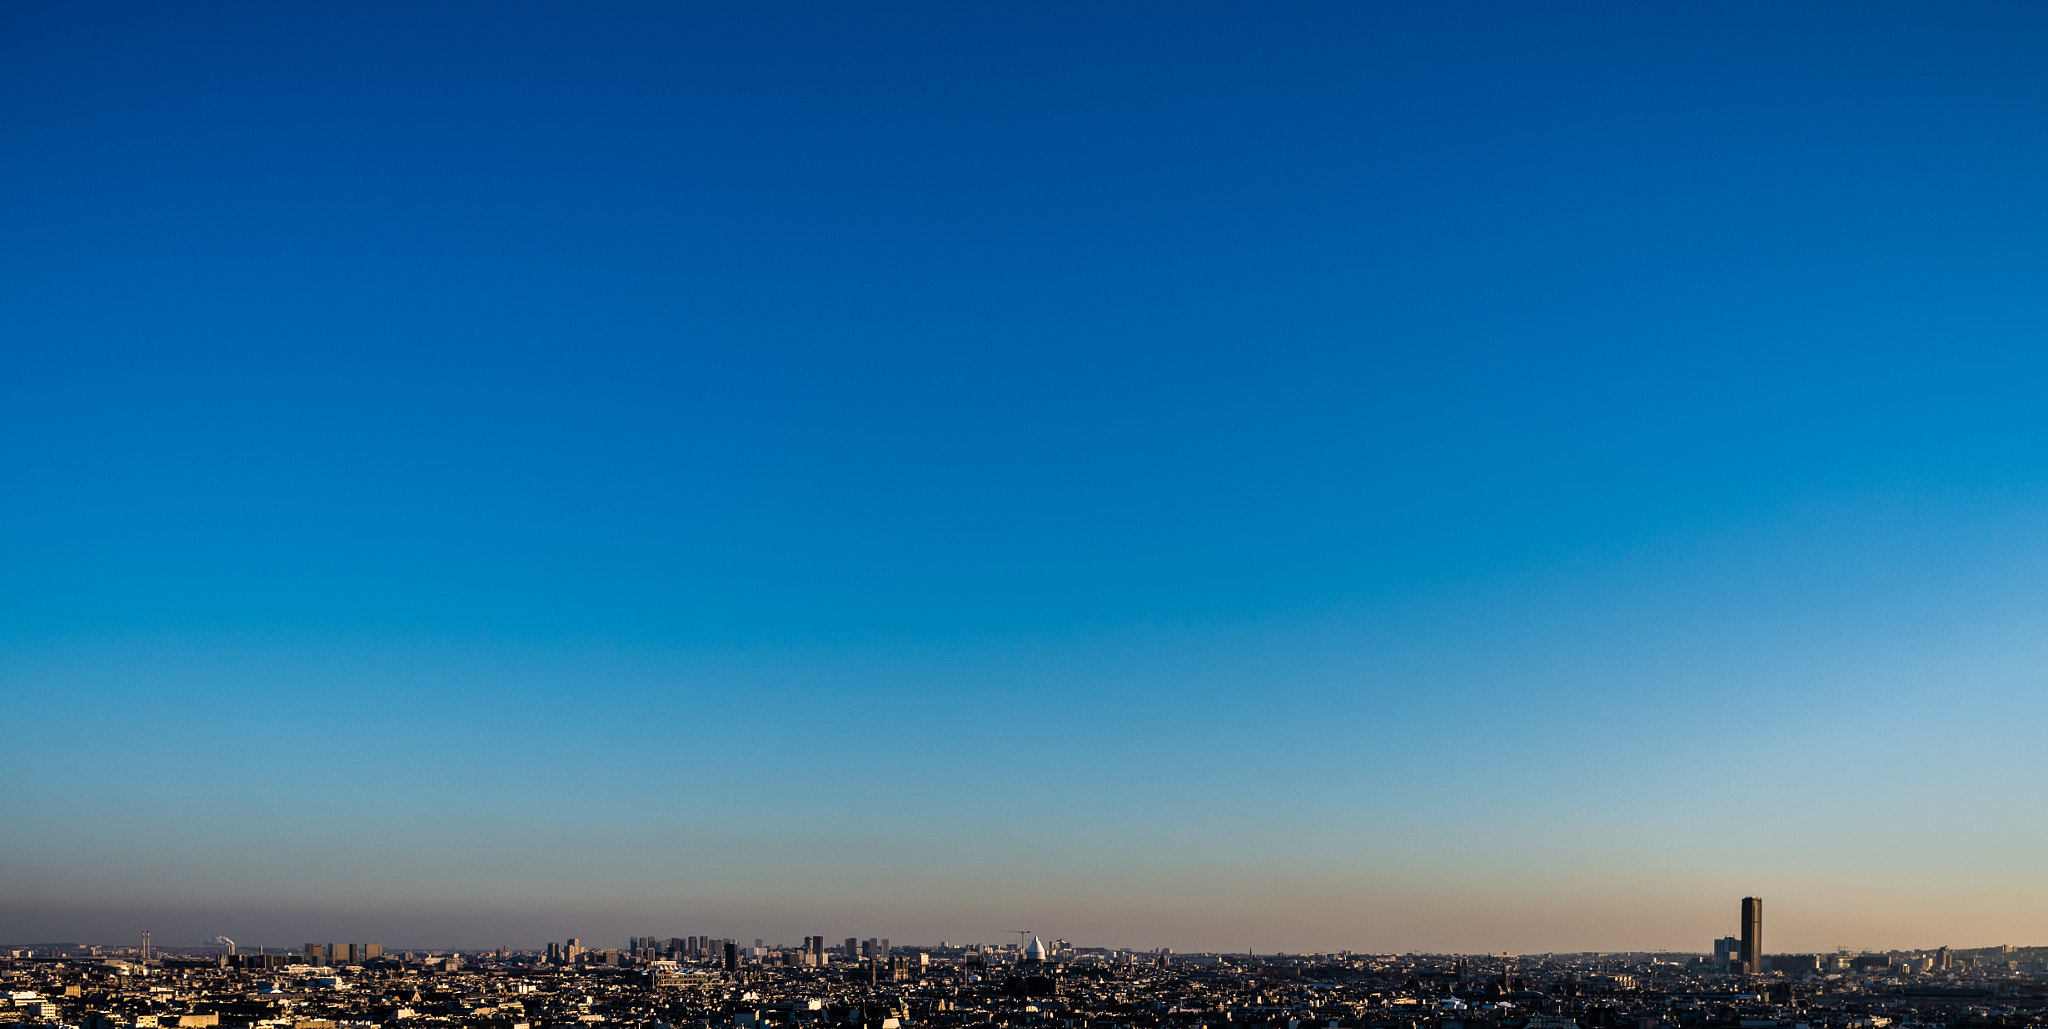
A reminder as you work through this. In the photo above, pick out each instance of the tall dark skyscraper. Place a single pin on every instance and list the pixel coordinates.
(1752, 935)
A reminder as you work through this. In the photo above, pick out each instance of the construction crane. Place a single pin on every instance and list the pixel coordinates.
(1021, 933)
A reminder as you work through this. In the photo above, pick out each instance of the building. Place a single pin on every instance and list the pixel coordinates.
(1752, 935)
(1794, 964)
(664, 975)
(262, 960)
(1726, 949)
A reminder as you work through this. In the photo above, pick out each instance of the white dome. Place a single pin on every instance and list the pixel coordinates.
(1036, 951)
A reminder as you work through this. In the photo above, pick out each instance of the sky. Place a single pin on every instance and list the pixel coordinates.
(1391, 477)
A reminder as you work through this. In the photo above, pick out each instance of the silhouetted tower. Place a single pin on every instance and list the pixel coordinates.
(1752, 935)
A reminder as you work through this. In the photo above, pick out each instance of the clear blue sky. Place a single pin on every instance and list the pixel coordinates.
(1366, 476)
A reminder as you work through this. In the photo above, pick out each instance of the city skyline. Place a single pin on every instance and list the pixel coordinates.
(1743, 955)
(1744, 949)
(1390, 478)
(708, 983)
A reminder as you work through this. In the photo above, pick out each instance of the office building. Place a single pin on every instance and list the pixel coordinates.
(1752, 936)
(1727, 949)
(1794, 964)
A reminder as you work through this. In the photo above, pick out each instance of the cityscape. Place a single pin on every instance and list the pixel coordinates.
(980, 514)
(702, 982)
